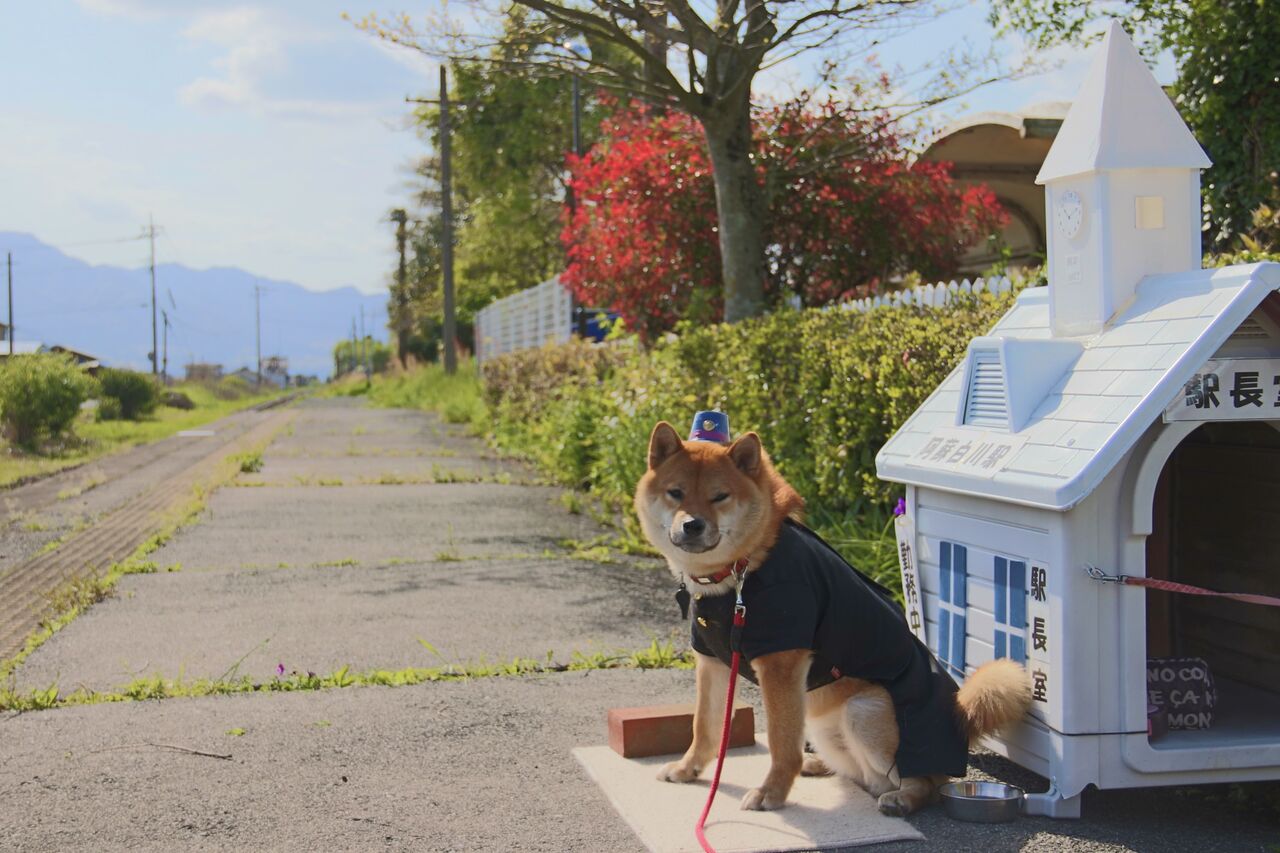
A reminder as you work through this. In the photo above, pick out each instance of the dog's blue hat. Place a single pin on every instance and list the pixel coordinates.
(710, 426)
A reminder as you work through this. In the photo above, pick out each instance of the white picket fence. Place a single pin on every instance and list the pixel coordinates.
(927, 294)
(544, 313)
(525, 320)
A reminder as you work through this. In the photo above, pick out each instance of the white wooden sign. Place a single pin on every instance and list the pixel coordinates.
(976, 452)
(1235, 389)
(912, 595)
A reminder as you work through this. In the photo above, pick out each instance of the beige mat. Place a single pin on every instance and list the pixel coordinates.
(821, 813)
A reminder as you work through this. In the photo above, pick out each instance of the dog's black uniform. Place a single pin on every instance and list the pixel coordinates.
(806, 596)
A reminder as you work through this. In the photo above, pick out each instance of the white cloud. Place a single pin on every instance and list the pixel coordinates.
(257, 45)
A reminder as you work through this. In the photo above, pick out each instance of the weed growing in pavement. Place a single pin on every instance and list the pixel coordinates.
(250, 463)
(571, 501)
(331, 564)
(450, 554)
(331, 481)
(35, 525)
(237, 732)
(360, 430)
(92, 481)
(656, 656)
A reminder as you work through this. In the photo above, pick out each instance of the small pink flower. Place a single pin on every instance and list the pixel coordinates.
(279, 670)
(900, 508)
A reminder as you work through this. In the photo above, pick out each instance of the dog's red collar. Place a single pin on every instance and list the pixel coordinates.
(737, 568)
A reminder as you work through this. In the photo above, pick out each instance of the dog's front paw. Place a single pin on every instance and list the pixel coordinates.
(815, 766)
(762, 800)
(679, 771)
(897, 804)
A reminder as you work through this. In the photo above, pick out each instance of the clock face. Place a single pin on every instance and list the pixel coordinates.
(1069, 214)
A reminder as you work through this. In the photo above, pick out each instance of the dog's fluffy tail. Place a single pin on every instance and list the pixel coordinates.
(996, 694)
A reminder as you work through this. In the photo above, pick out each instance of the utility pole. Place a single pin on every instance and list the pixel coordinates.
(151, 233)
(446, 213)
(400, 218)
(257, 323)
(10, 258)
(164, 373)
(364, 347)
(355, 352)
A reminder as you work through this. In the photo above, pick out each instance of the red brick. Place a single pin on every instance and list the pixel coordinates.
(668, 729)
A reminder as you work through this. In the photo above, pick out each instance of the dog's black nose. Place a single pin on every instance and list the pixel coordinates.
(694, 527)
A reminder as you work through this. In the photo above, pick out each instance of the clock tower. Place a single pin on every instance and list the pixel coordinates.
(1122, 191)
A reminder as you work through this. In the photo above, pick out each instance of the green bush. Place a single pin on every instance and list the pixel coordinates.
(40, 396)
(232, 388)
(135, 393)
(824, 388)
(109, 409)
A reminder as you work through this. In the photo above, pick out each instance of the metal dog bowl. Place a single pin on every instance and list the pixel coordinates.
(981, 802)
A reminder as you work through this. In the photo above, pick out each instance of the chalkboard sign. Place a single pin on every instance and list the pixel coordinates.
(1180, 695)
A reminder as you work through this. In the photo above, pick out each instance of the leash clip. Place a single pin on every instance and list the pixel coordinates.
(1099, 575)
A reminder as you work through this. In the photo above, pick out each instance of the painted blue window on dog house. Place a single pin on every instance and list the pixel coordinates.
(1010, 640)
(953, 561)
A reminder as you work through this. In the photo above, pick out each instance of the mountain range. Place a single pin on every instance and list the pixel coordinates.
(106, 311)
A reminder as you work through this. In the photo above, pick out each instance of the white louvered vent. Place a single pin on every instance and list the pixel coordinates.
(986, 401)
(1250, 330)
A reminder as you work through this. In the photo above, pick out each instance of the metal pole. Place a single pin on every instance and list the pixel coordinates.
(446, 213)
(400, 218)
(10, 256)
(257, 326)
(164, 373)
(364, 347)
(151, 232)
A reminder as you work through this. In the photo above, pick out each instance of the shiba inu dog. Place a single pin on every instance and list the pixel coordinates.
(827, 645)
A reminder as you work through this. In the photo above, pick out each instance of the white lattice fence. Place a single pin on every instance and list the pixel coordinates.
(524, 320)
(929, 294)
(542, 314)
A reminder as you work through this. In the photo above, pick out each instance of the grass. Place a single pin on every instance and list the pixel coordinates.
(88, 482)
(95, 439)
(457, 398)
(655, 656)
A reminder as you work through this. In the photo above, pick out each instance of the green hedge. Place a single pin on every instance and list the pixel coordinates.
(127, 394)
(824, 388)
(40, 396)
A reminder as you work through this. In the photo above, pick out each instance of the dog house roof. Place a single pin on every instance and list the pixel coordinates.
(1066, 411)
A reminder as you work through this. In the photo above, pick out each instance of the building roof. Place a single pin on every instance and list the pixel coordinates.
(1121, 119)
(1110, 387)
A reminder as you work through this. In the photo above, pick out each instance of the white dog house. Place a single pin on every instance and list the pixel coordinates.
(1124, 419)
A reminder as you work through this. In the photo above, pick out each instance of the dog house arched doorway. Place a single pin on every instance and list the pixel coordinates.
(1216, 524)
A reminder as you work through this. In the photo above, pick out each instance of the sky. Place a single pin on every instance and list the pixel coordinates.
(270, 136)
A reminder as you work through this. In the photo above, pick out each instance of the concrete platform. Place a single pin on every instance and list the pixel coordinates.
(199, 624)
(308, 525)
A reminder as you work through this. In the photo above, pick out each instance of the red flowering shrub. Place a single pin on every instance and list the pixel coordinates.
(845, 211)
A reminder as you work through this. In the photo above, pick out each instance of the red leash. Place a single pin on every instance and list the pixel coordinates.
(739, 619)
(1182, 588)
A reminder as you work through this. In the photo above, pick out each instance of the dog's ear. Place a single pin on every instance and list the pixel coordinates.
(746, 453)
(664, 443)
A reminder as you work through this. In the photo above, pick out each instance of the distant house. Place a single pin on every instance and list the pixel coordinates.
(275, 370)
(203, 372)
(246, 375)
(90, 363)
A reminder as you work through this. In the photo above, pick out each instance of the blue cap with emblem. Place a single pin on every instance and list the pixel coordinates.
(710, 426)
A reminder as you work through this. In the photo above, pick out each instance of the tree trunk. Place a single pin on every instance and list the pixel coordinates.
(740, 209)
